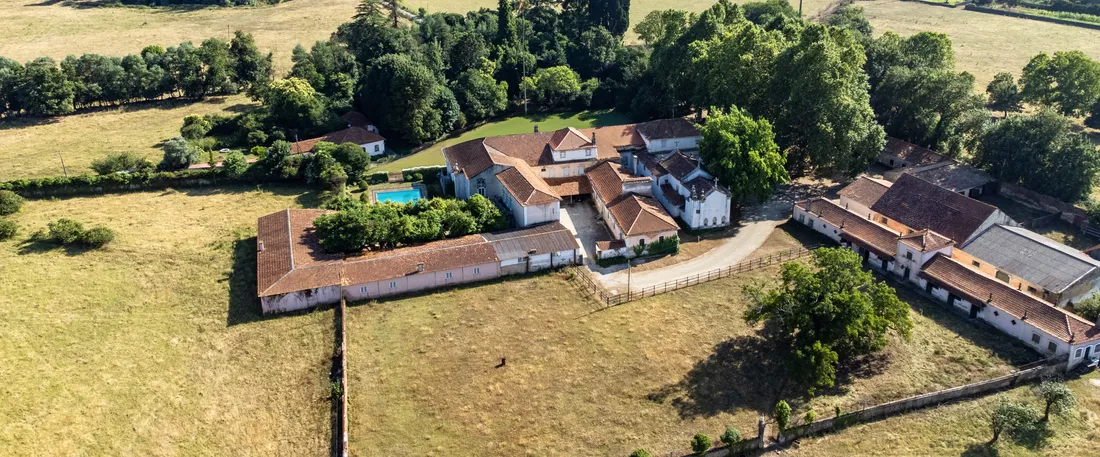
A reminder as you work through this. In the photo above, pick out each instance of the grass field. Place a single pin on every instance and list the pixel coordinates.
(50, 28)
(432, 155)
(963, 429)
(154, 345)
(580, 381)
(984, 43)
(29, 148)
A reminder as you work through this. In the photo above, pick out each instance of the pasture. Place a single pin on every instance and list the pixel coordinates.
(154, 345)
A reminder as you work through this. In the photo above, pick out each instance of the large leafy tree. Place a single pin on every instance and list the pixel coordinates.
(1057, 397)
(43, 89)
(850, 17)
(554, 86)
(924, 50)
(479, 95)
(738, 67)
(594, 52)
(506, 23)
(1069, 81)
(250, 66)
(614, 15)
(1040, 153)
(404, 96)
(1004, 94)
(330, 69)
(827, 313)
(741, 152)
(822, 102)
(294, 105)
(661, 25)
(930, 107)
(1011, 418)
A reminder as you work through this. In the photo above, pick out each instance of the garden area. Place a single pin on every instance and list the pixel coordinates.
(528, 366)
(154, 344)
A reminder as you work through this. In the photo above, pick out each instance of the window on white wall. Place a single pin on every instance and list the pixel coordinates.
(477, 270)
(363, 290)
(1035, 338)
(1052, 347)
(376, 148)
(588, 152)
(449, 275)
(562, 155)
(393, 284)
(1077, 353)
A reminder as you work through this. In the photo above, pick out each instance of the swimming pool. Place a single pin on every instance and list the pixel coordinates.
(397, 196)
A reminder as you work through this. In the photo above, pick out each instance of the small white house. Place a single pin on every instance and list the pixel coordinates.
(371, 142)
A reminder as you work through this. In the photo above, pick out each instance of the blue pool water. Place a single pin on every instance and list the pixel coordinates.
(398, 196)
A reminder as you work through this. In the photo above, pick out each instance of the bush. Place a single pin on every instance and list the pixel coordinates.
(8, 229)
(640, 453)
(1088, 308)
(195, 127)
(334, 177)
(9, 202)
(782, 414)
(234, 165)
(178, 154)
(810, 416)
(731, 436)
(700, 443)
(125, 161)
(65, 231)
(97, 237)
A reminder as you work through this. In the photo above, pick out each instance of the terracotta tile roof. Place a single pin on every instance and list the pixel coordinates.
(569, 138)
(604, 245)
(668, 128)
(854, 228)
(607, 179)
(356, 119)
(914, 155)
(526, 187)
(979, 289)
(652, 164)
(865, 190)
(640, 215)
(357, 135)
(439, 255)
(926, 240)
(679, 165)
(543, 238)
(923, 205)
(672, 197)
(290, 258)
(572, 185)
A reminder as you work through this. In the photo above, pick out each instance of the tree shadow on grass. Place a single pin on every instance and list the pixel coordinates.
(36, 245)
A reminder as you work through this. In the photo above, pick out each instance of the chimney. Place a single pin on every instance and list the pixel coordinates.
(593, 137)
(420, 267)
(536, 128)
(261, 246)
(990, 300)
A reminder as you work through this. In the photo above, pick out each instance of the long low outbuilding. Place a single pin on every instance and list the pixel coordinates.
(293, 272)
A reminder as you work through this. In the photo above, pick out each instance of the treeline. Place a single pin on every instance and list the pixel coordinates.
(41, 87)
(191, 2)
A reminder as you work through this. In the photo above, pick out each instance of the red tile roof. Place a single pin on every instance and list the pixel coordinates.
(356, 119)
(923, 205)
(855, 228)
(569, 138)
(668, 128)
(526, 186)
(910, 153)
(926, 240)
(640, 215)
(979, 289)
(572, 185)
(864, 190)
(357, 135)
(672, 197)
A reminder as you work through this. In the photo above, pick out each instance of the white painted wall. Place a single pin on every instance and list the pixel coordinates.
(575, 154)
(669, 144)
(375, 148)
(300, 300)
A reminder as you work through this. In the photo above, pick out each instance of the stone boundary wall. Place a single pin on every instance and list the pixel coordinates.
(1035, 200)
(1055, 20)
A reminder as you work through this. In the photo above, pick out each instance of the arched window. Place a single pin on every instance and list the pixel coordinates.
(481, 187)
(723, 219)
(641, 242)
(705, 221)
(714, 221)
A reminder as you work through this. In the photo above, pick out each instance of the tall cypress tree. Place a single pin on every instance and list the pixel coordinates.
(506, 24)
(614, 15)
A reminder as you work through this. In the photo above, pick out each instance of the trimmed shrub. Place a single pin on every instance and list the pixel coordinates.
(731, 436)
(9, 202)
(640, 453)
(65, 231)
(97, 237)
(234, 164)
(782, 414)
(178, 154)
(700, 443)
(810, 416)
(8, 229)
(125, 161)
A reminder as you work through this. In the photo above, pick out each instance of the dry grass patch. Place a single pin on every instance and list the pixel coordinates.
(985, 44)
(154, 345)
(29, 147)
(648, 374)
(963, 429)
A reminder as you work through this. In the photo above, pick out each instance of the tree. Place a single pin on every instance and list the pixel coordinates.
(661, 25)
(334, 178)
(43, 89)
(554, 86)
(234, 164)
(10, 202)
(1040, 153)
(1088, 308)
(1094, 116)
(506, 25)
(1004, 94)
(478, 94)
(738, 68)
(294, 104)
(345, 231)
(741, 152)
(782, 414)
(330, 69)
(404, 96)
(1011, 418)
(640, 453)
(850, 17)
(859, 315)
(353, 158)
(195, 127)
(593, 52)
(1057, 397)
(178, 154)
(614, 15)
(810, 416)
(826, 120)
(468, 52)
(8, 229)
(121, 162)
(64, 231)
(489, 218)
(217, 74)
(930, 108)
(924, 50)
(700, 443)
(278, 153)
(1069, 82)
(250, 66)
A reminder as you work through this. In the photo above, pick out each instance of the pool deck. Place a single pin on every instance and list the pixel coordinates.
(399, 187)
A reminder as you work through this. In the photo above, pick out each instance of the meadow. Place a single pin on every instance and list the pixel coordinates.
(580, 380)
(155, 344)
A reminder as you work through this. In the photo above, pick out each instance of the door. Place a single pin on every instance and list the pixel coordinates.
(866, 254)
(1088, 349)
(906, 272)
(950, 299)
(973, 311)
(884, 268)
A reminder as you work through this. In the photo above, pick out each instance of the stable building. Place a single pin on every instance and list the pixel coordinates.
(915, 204)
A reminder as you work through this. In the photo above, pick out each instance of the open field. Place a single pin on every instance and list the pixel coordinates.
(433, 155)
(984, 43)
(154, 345)
(579, 381)
(963, 429)
(28, 148)
(49, 28)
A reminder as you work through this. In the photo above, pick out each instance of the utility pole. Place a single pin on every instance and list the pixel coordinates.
(629, 262)
(800, 9)
(66, 170)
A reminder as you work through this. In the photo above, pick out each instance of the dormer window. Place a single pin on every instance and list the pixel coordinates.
(588, 152)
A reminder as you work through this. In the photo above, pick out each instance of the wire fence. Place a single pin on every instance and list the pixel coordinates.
(601, 294)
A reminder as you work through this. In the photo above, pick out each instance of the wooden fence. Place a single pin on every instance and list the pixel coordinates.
(599, 293)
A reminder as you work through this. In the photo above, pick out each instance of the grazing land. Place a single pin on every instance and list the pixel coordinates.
(985, 44)
(433, 155)
(29, 147)
(963, 429)
(583, 381)
(154, 345)
(55, 29)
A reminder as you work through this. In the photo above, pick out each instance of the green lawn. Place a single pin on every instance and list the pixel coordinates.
(154, 345)
(432, 155)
